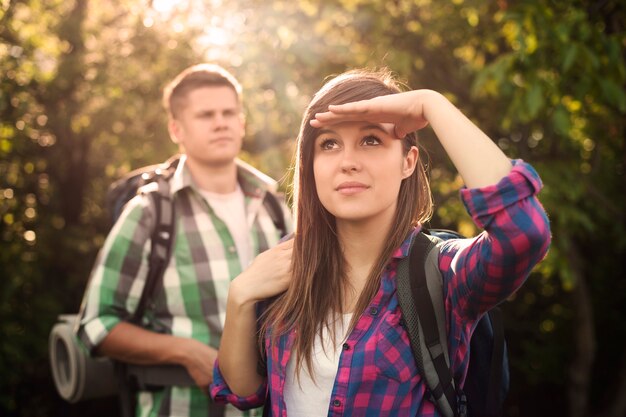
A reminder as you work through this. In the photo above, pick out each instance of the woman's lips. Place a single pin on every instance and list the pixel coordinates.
(351, 188)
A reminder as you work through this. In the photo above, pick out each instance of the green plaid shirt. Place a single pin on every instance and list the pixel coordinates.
(191, 299)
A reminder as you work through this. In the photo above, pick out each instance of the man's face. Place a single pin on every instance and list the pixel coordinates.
(209, 126)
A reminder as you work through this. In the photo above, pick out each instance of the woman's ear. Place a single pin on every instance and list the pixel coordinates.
(410, 162)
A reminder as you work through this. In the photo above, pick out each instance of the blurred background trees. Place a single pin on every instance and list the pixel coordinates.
(80, 87)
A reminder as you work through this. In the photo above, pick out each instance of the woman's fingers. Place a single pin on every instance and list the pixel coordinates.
(377, 110)
(355, 107)
(331, 118)
(268, 275)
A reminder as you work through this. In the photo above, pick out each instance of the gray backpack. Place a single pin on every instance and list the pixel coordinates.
(420, 295)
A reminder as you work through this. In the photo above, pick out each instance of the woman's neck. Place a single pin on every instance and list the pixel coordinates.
(362, 244)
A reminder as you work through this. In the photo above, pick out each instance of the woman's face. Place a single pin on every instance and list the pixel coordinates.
(358, 169)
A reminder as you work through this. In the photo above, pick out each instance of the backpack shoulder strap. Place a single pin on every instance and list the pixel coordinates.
(420, 295)
(494, 392)
(274, 209)
(162, 238)
(126, 187)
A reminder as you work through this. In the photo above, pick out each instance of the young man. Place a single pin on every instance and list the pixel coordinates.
(221, 225)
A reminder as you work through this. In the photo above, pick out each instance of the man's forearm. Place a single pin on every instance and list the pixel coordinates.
(132, 344)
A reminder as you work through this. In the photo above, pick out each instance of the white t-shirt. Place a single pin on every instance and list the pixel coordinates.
(231, 209)
(312, 398)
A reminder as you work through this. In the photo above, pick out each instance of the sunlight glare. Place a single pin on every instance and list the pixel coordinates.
(165, 7)
(218, 22)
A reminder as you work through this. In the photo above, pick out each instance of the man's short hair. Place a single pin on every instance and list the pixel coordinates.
(192, 78)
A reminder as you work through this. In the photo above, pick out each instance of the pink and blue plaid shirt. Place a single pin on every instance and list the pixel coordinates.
(377, 374)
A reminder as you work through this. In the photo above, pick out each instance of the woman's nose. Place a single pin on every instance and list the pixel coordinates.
(349, 161)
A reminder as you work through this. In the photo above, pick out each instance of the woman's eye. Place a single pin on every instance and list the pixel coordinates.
(371, 140)
(328, 144)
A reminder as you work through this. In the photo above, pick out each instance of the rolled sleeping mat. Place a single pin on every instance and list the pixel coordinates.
(77, 376)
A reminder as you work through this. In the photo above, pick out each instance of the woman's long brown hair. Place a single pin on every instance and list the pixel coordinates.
(315, 295)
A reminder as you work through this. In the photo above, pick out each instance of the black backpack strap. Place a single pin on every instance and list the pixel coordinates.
(426, 324)
(275, 211)
(162, 238)
(125, 188)
(497, 357)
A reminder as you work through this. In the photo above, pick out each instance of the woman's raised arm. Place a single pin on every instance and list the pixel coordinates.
(477, 158)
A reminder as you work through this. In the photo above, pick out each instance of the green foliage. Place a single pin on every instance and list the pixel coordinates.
(73, 102)
(80, 106)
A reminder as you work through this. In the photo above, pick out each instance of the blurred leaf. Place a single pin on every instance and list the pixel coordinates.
(613, 94)
(534, 100)
(561, 121)
(571, 52)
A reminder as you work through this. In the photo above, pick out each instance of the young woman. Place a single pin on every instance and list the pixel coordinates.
(333, 335)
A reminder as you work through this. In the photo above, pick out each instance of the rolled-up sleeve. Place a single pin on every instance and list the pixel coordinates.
(118, 275)
(221, 393)
(485, 270)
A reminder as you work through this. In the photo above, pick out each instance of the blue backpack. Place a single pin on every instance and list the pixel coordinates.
(420, 295)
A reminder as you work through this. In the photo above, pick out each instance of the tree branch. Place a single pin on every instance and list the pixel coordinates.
(584, 338)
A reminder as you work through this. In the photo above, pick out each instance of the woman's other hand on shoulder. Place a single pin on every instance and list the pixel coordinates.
(267, 276)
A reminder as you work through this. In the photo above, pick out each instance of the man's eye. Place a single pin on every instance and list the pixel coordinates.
(371, 140)
(328, 144)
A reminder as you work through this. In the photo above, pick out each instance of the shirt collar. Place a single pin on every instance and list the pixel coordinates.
(253, 182)
(405, 247)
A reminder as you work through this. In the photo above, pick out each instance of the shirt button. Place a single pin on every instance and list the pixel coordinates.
(232, 249)
(336, 403)
(373, 311)
(346, 346)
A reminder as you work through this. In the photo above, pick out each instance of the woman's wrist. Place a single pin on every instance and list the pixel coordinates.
(241, 295)
(432, 101)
